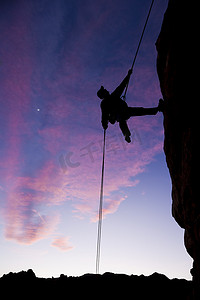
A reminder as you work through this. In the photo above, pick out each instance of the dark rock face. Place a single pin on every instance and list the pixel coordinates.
(177, 67)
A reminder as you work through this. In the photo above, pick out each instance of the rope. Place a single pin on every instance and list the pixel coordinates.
(138, 47)
(103, 160)
(100, 208)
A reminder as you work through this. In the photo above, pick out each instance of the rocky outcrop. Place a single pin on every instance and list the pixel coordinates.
(24, 285)
(177, 67)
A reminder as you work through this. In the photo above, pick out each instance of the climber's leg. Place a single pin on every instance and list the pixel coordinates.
(141, 111)
(125, 130)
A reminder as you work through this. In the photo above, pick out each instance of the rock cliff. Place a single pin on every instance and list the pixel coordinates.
(177, 67)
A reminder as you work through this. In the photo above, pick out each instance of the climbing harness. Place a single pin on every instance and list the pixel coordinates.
(100, 215)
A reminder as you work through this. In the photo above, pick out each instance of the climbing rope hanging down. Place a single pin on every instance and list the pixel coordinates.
(100, 207)
(100, 216)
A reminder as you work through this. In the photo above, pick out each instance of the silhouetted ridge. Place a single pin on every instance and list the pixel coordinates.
(108, 286)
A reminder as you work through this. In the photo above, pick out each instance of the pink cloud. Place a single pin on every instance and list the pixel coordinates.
(110, 206)
(23, 220)
(26, 225)
(121, 166)
(62, 243)
(79, 184)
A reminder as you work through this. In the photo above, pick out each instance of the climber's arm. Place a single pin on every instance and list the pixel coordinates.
(119, 90)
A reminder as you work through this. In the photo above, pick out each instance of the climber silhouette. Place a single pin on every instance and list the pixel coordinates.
(114, 109)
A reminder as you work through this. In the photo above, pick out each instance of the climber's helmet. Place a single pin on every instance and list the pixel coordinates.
(102, 93)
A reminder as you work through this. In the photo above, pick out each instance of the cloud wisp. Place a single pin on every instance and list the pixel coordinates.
(62, 243)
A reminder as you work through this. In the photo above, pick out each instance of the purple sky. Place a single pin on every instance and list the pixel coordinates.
(54, 56)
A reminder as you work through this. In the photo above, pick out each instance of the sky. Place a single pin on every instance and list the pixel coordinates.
(54, 56)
